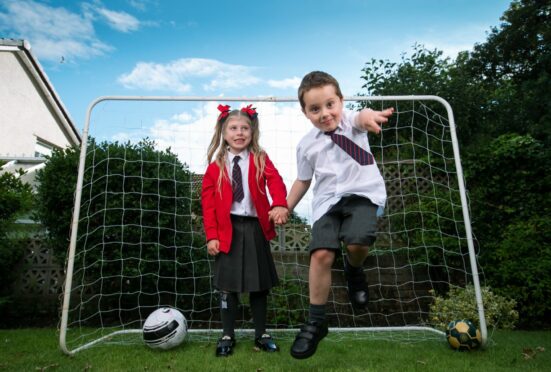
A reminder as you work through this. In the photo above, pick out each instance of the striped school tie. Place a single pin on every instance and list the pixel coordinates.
(351, 148)
(237, 181)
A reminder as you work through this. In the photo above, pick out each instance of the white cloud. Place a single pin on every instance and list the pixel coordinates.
(53, 32)
(153, 76)
(293, 82)
(182, 117)
(141, 5)
(451, 42)
(178, 75)
(120, 21)
(56, 32)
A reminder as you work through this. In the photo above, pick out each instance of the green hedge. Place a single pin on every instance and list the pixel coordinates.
(15, 200)
(138, 245)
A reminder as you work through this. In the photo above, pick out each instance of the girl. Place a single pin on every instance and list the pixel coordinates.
(236, 221)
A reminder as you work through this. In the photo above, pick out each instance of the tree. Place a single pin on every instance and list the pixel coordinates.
(500, 96)
(428, 72)
(515, 62)
(136, 224)
(15, 200)
(511, 208)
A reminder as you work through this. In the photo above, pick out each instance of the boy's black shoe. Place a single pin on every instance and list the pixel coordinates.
(265, 343)
(224, 346)
(306, 342)
(357, 285)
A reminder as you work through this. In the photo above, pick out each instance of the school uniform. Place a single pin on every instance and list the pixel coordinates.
(245, 263)
(341, 184)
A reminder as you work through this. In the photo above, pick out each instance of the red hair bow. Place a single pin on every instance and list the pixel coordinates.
(224, 111)
(251, 111)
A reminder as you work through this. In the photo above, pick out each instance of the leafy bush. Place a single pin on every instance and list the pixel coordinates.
(432, 233)
(510, 182)
(524, 269)
(15, 199)
(460, 303)
(137, 242)
(288, 300)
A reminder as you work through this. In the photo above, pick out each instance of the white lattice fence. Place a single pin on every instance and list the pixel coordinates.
(41, 275)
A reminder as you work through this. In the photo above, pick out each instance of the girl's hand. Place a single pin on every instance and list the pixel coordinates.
(213, 247)
(279, 215)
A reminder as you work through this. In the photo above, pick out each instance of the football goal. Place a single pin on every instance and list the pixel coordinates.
(137, 242)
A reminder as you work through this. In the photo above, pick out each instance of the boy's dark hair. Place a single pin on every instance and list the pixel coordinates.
(317, 79)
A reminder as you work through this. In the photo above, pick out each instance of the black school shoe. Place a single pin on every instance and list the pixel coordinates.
(224, 346)
(357, 286)
(265, 343)
(306, 342)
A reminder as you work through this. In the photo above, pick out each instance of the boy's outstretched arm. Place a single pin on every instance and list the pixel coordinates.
(372, 120)
(298, 190)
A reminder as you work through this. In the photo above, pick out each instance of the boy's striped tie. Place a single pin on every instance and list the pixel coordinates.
(351, 148)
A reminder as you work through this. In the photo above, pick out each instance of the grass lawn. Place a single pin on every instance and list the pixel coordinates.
(37, 350)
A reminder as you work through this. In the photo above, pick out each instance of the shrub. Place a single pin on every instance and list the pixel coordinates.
(15, 199)
(509, 182)
(524, 267)
(288, 300)
(460, 303)
(136, 230)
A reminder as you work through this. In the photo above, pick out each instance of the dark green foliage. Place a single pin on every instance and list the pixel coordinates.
(433, 232)
(509, 181)
(15, 200)
(523, 267)
(288, 301)
(511, 205)
(295, 219)
(515, 62)
(55, 198)
(138, 245)
(427, 72)
(500, 97)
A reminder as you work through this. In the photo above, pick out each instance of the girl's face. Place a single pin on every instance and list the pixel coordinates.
(237, 134)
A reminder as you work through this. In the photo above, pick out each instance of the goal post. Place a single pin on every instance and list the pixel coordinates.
(136, 238)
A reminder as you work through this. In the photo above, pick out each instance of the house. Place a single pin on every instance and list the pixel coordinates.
(33, 120)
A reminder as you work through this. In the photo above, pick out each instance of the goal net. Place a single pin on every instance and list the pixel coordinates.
(137, 242)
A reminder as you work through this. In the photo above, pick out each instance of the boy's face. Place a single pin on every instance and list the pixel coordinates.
(323, 107)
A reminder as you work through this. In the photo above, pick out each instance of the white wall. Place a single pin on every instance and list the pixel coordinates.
(24, 112)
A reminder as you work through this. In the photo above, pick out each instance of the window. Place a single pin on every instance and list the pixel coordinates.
(41, 149)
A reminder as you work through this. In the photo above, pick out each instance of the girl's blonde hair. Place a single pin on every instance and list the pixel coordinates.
(218, 148)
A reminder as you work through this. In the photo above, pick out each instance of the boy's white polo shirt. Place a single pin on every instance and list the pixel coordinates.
(336, 173)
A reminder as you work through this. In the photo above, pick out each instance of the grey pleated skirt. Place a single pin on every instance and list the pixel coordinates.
(249, 265)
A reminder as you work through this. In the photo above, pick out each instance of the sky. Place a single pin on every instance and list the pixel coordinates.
(232, 48)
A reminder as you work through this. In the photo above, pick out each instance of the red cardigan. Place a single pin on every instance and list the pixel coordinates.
(217, 205)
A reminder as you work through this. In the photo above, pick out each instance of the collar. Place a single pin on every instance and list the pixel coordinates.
(339, 129)
(243, 154)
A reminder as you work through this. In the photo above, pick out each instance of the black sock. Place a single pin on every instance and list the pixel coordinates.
(228, 312)
(352, 269)
(259, 305)
(317, 313)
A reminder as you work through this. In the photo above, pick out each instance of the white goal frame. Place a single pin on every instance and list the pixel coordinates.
(79, 187)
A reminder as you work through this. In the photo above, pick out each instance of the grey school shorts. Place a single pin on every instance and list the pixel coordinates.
(353, 220)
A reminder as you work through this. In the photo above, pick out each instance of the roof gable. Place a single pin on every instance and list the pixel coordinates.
(22, 51)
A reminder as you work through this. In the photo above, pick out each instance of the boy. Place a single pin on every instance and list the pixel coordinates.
(349, 188)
